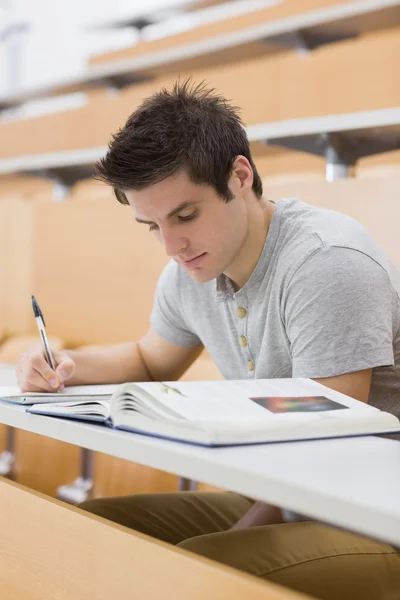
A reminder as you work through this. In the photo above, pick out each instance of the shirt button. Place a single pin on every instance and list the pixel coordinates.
(243, 341)
(241, 312)
(250, 365)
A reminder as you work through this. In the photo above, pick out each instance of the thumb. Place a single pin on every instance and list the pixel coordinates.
(65, 366)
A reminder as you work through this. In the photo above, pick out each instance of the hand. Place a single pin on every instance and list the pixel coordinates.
(34, 374)
(260, 514)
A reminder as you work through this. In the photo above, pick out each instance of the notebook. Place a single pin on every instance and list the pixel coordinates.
(79, 392)
(219, 413)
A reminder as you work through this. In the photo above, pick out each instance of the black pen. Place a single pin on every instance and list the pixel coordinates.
(41, 326)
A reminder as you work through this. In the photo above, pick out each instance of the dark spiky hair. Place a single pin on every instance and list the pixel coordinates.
(190, 127)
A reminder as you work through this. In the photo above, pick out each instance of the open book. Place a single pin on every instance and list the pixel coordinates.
(218, 413)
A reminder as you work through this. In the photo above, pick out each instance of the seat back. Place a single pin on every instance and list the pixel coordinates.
(373, 202)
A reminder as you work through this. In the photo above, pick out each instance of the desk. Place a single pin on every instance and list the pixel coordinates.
(342, 139)
(353, 483)
(58, 540)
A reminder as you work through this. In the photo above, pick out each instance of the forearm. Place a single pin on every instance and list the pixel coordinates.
(113, 364)
(260, 514)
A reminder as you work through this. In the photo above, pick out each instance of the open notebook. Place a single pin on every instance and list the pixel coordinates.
(217, 413)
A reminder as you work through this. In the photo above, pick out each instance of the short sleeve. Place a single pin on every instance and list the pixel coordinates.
(167, 316)
(337, 311)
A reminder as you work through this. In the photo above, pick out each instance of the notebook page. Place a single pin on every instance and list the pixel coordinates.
(231, 400)
(74, 390)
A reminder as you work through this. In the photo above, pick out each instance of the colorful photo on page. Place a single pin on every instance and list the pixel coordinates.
(288, 404)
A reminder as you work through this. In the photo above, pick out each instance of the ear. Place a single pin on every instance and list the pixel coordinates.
(242, 174)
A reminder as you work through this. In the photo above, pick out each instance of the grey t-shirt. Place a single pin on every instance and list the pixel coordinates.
(323, 300)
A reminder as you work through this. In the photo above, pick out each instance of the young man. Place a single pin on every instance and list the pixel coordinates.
(271, 291)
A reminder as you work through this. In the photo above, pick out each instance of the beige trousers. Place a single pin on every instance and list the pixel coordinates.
(309, 557)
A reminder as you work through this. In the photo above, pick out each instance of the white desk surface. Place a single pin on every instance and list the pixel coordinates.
(351, 482)
(371, 121)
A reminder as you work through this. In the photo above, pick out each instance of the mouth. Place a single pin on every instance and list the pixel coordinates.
(194, 262)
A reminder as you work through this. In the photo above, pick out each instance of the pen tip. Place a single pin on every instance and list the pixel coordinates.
(36, 309)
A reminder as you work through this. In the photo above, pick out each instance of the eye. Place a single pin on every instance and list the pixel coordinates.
(153, 227)
(187, 217)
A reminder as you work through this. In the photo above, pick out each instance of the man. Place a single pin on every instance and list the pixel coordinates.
(271, 291)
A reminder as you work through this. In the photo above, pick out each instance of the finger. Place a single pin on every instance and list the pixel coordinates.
(65, 367)
(33, 381)
(38, 362)
(37, 372)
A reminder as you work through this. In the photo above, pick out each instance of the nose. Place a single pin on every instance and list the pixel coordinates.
(172, 242)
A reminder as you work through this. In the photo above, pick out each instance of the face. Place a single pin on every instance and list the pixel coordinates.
(200, 231)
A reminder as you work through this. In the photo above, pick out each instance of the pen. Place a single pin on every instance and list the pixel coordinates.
(41, 326)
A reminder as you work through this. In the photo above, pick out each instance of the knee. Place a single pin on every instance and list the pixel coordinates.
(134, 512)
(98, 507)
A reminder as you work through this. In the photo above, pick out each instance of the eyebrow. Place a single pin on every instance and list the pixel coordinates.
(173, 212)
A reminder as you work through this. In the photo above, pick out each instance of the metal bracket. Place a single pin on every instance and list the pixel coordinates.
(79, 490)
(186, 485)
(304, 40)
(63, 177)
(7, 458)
(341, 150)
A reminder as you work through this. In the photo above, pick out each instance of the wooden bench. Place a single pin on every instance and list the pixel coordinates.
(288, 86)
(341, 145)
(271, 29)
(287, 25)
(49, 550)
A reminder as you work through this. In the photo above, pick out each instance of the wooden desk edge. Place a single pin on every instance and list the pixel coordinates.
(49, 549)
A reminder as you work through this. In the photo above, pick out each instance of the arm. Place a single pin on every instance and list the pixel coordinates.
(151, 358)
(260, 514)
(356, 385)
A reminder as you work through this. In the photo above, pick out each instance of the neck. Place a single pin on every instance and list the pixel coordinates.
(259, 213)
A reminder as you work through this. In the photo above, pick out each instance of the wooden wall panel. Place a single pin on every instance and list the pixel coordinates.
(94, 269)
(347, 76)
(3, 269)
(373, 202)
(43, 464)
(18, 239)
(118, 477)
(381, 165)
(279, 166)
(16, 210)
(352, 75)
